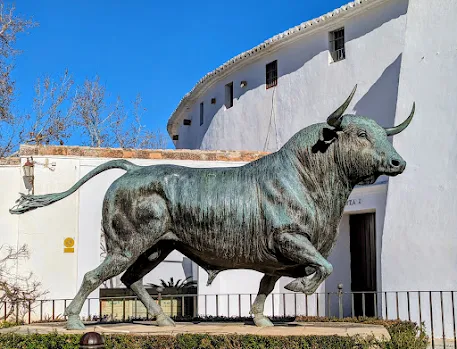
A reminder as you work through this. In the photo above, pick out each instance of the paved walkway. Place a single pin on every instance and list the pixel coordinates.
(149, 328)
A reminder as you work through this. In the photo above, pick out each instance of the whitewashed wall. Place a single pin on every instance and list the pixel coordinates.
(420, 235)
(43, 231)
(10, 182)
(309, 87)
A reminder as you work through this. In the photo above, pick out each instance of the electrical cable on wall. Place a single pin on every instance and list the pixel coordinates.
(272, 116)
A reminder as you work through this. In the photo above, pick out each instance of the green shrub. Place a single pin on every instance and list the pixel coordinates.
(404, 335)
(203, 341)
(6, 324)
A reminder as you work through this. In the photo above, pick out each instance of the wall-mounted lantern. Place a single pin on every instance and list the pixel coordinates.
(243, 84)
(28, 169)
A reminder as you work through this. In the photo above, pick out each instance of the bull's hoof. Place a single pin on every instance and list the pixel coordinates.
(164, 320)
(301, 285)
(262, 321)
(74, 323)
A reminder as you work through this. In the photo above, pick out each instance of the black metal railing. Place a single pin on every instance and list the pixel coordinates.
(436, 310)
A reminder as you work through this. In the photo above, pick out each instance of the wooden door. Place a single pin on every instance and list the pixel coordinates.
(363, 261)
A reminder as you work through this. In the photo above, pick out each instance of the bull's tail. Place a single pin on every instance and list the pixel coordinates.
(31, 202)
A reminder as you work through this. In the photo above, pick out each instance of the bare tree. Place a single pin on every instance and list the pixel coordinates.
(11, 127)
(17, 291)
(92, 114)
(11, 25)
(52, 119)
(129, 131)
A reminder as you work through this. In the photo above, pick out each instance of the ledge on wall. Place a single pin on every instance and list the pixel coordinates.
(159, 154)
(10, 161)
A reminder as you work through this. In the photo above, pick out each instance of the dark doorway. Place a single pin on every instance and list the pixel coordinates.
(363, 262)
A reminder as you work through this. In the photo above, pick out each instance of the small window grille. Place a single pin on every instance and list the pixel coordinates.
(271, 74)
(201, 113)
(337, 50)
(229, 95)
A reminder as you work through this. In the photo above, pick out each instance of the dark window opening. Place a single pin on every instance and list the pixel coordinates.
(271, 74)
(201, 113)
(229, 95)
(337, 50)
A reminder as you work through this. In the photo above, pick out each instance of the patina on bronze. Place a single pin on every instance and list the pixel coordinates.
(278, 215)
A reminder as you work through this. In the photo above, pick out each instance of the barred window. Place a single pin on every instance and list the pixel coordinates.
(271, 74)
(337, 50)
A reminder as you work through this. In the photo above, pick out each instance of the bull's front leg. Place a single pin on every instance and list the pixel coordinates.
(299, 249)
(267, 284)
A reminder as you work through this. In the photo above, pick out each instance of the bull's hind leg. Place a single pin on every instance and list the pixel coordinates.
(267, 284)
(133, 279)
(299, 249)
(113, 265)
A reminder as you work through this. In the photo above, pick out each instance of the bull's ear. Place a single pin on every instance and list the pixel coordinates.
(328, 135)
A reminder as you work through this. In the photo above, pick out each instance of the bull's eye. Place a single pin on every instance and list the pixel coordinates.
(362, 134)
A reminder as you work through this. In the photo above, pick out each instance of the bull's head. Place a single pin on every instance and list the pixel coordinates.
(364, 151)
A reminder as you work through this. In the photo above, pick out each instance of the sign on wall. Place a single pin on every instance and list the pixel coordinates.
(354, 202)
(69, 244)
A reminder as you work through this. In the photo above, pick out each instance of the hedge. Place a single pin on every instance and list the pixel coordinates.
(404, 335)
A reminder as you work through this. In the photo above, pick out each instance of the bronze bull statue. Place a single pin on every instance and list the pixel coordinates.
(278, 215)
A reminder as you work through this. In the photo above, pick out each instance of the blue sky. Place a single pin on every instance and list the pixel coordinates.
(157, 48)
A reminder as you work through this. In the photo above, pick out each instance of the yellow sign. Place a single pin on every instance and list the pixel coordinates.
(69, 243)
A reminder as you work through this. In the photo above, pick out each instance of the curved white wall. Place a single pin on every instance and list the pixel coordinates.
(309, 87)
(420, 231)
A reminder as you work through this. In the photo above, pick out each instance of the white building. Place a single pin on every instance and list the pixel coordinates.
(396, 235)
(260, 98)
(397, 51)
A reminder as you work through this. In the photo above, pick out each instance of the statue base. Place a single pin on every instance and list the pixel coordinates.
(219, 328)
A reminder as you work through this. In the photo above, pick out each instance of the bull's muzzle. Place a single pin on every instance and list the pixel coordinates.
(396, 166)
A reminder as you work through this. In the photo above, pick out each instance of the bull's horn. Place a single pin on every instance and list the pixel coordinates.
(397, 129)
(335, 118)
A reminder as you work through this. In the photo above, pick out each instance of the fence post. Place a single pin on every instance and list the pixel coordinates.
(340, 301)
(194, 306)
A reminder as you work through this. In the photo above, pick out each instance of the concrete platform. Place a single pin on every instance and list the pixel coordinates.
(149, 328)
